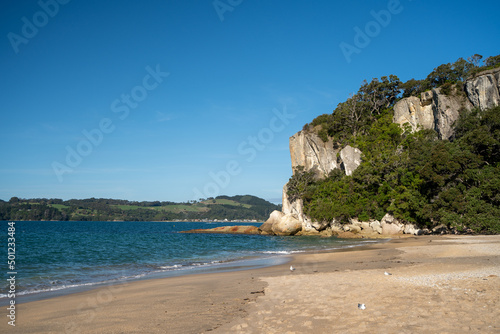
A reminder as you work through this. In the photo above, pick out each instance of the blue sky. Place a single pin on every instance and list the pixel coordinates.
(175, 100)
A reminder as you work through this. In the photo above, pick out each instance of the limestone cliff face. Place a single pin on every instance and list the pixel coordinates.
(294, 207)
(351, 159)
(308, 150)
(483, 90)
(433, 110)
(446, 111)
(437, 111)
(416, 112)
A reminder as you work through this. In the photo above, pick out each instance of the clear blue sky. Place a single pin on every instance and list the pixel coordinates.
(177, 100)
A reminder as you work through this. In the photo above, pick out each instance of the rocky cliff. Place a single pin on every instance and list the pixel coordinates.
(308, 150)
(434, 110)
(438, 111)
(483, 90)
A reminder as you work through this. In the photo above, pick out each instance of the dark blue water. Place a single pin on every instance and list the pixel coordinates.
(53, 256)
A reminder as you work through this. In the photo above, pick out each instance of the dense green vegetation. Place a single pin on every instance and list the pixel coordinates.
(414, 176)
(98, 209)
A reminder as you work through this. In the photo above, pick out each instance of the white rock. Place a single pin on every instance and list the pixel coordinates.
(365, 226)
(483, 90)
(355, 222)
(390, 225)
(412, 229)
(307, 149)
(414, 111)
(274, 217)
(376, 227)
(351, 159)
(288, 225)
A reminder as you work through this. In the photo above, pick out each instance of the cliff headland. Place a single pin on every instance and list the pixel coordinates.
(412, 158)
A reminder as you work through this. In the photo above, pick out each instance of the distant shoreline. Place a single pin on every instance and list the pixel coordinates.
(220, 208)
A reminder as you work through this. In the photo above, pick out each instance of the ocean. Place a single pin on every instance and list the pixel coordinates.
(54, 258)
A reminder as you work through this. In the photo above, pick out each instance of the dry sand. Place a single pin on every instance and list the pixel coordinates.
(447, 284)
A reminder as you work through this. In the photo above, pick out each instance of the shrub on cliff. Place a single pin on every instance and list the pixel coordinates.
(299, 184)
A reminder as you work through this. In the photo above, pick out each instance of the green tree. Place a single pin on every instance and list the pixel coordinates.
(298, 184)
(475, 60)
(379, 95)
(414, 87)
(492, 61)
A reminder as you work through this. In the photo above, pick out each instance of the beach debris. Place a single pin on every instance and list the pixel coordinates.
(361, 306)
(292, 268)
(387, 274)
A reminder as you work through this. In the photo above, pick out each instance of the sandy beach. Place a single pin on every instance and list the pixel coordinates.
(437, 284)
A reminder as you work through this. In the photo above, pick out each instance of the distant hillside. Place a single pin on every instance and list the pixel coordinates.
(245, 207)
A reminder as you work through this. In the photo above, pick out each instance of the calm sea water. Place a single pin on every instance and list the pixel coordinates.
(62, 256)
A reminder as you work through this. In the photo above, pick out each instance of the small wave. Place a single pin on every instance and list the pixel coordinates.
(51, 289)
(187, 266)
(62, 286)
(206, 263)
(283, 252)
(175, 266)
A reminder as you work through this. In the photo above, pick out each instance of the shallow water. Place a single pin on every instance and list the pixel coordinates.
(62, 256)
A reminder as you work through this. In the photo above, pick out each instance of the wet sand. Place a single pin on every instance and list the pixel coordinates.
(448, 284)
